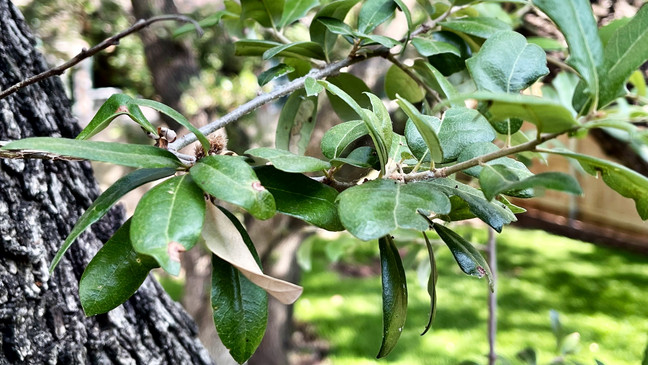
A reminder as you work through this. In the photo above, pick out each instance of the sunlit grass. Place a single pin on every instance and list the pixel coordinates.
(599, 292)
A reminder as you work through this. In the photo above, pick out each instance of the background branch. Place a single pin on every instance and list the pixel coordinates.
(85, 53)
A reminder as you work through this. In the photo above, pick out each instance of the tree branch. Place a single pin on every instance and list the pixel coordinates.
(262, 99)
(85, 53)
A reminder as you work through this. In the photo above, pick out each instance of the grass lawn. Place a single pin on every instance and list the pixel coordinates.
(599, 292)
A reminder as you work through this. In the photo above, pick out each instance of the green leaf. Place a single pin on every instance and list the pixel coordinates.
(172, 113)
(373, 13)
(105, 201)
(114, 274)
(507, 63)
(497, 179)
(364, 157)
(116, 105)
(398, 82)
(384, 125)
(621, 179)
(399, 150)
(296, 122)
(394, 293)
(548, 116)
(374, 125)
(230, 179)
(301, 197)
(226, 238)
(240, 310)
(481, 27)
(469, 259)
(266, 12)
(577, 23)
(605, 32)
(437, 81)
(289, 162)
(626, 51)
(337, 26)
(369, 39)
(431, 286)
(460, 128)
(318, 31)
(132, 155)
(427, 127)
(415, 142)
(296, 49)
(428, 47)
(168, 220)
(494, 214)
(547, 44)
(274, 72)
(378, 207)
(295, 9)
(447, 63)
(355, 88)
(312, 87)
(338, 138)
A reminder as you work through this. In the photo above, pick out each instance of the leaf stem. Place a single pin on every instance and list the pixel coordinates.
(85, 53)
(428, 90)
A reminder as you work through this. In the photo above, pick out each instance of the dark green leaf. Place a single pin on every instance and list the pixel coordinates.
(374, 125)
(106, 200)
(289, 162)
(132, 155)
(384, 41)
(427, 127)
(356, 88)
(296, 122)
(114, 274)
(469, 259)
(230, 179)
(415, 142)
(447, 63)
(338, 138)
(621, 179)
(297, 49)
(577, 23)
(364, 157)
(398, 82)
(394, 285)
(437, 81)
(497, 179)
(548, 116)
(274, 72)
(624, 53)
(431, 286)
(240, 310)
(116, 105)
(462, 127)
(384, 126)
(378, 207)
(605, 32)
(318, 31)
(301, 197)
(168, 220)
(373, 13)
(337, 26)
(482, 27)
(495, 214)
(528, 355)
(295, 9)
(428, 47)
(172, 113)
(266, 12)
(507, 63)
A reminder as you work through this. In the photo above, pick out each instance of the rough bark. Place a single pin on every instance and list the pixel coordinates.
(41, 320)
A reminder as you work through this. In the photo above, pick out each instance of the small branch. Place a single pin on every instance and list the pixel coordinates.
(391, 58)
(262, 99)
(561, 64)
(86, 53)
(447, 171)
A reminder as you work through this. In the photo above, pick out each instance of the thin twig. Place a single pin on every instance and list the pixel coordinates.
(447, 171)
(561, 64)
(85, 53)
(430, 91)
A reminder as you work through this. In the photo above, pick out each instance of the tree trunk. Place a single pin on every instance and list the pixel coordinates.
(41, 320)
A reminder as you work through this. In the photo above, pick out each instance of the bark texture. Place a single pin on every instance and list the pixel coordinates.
(41, 320)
